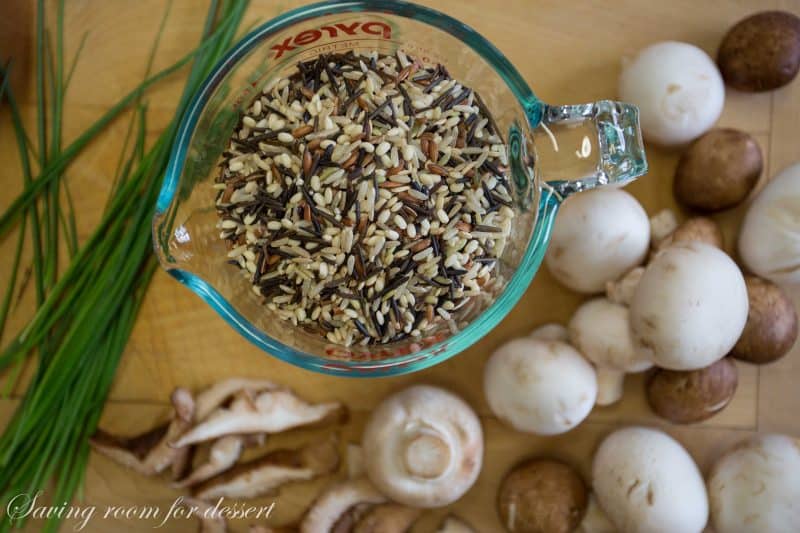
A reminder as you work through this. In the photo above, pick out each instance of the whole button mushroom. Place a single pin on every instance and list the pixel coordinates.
(423, 447)
(755, 487)
(687, 396)
(542, 496)
(598, 236)
(539, 386)
(600, 330)
(771, 328)
(689, 307)
(646, 482)
(718, 170)
(678, 90)
(769, 242)
(761, 52)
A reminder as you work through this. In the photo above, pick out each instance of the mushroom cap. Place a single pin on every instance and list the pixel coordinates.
(689, 307)
(755, 486)
(597, 237)
(539, 386)
(646, 482)
(687, 396)
(542, 496)
(600, 330)
(769, 242)
(677, 88)
(771, 328)
(552, 331)
(423, 446)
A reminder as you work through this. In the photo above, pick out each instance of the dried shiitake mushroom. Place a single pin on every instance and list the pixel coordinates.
(542, 496)
(761, 52)
(718, 170)
(690, 396)
(771, 327)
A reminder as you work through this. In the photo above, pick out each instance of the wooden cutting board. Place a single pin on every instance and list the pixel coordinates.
(568, 51)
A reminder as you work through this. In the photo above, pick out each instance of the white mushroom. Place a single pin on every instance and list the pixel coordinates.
(646, 482)
(598, 236)
(769, 242)
(550, 332)
(600, 330)
(272, 411)
(423, 447)
(677, 88)
(755, 486)
(622, 291)
(265, 474)
(662, 224)
(335, 501)
(538, 386)
(689, 307)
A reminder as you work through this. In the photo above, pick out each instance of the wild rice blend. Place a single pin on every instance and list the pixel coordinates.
(365, 197)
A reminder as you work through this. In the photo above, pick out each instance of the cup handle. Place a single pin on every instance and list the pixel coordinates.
(579, 147)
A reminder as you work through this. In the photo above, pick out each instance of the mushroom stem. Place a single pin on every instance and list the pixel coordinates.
(610, 384)
(427, 455)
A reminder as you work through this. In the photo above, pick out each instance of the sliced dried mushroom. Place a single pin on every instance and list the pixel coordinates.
(268, 412)
(150, 453)
(223, 455)
(335, 502)
(264, 474)
(211, 520)
(218, 393)
(387, 518)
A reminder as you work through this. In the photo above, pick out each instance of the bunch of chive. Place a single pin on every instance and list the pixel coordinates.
(85, 314)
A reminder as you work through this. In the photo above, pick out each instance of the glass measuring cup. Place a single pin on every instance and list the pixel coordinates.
(553, 151)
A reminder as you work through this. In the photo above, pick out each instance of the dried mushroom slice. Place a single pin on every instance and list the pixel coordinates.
(265, 474)
(269, 412)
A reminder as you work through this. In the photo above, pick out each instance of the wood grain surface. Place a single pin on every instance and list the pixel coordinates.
(569, 52)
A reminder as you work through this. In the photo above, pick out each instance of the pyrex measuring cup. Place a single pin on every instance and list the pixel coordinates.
(554, 151)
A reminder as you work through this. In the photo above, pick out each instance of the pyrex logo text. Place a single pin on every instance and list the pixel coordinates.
(309, 36)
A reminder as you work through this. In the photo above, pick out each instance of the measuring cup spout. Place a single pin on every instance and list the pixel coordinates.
(579, 147)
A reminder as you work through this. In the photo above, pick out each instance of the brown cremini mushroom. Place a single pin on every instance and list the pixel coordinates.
(718, 170)
(265, 474)
(698, 229)
(771, 327)
(691, 396)
(542, 496)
